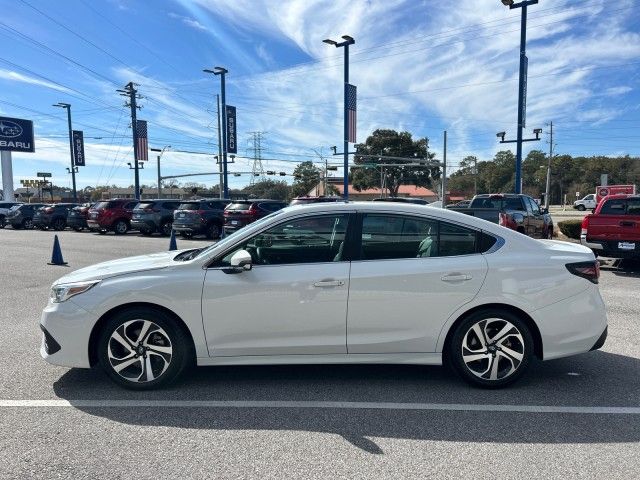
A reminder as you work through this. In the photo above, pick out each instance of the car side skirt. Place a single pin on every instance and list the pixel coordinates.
(354, 358)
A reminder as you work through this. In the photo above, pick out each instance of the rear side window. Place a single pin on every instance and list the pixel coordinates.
(513, 203)
(633, 206)
(456, 240)
(143, 205)
(614, 207)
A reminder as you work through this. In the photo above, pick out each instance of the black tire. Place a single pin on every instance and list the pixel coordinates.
(214, 230)
(27, 224)
(120, 227)
(165, 367)
(549, 233)
(582, 208)
(165, 229)
(509, 368)
(102, 231)
(186, 235)
(59, 224)
(147, 232)
(77, 229)
(3, 221)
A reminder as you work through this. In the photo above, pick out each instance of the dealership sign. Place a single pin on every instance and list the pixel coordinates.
(232, 145)
(16, 135)
(78, 148)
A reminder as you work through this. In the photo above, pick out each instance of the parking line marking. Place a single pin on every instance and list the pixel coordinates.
(317, 404)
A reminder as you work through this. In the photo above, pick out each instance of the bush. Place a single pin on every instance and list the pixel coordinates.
(571, 228)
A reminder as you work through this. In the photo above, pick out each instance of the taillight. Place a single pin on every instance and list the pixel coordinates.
(253, 210)
(585, 226)
(502, 219)
(588, 270)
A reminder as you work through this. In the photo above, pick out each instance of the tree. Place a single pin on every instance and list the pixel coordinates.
(390, 143)
(274, 189)
(307, 176)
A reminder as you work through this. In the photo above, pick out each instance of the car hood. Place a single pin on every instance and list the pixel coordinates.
(122, 266)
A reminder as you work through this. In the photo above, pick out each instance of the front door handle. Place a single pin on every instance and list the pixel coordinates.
(456, 277)
(329, 283)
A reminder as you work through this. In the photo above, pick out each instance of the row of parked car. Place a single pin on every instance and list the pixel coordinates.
(189, 218)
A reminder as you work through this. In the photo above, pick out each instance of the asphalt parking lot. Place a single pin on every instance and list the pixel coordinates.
(577, 417)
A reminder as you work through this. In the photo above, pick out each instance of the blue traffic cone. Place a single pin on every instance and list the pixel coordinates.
(56, 255)
(172, 241)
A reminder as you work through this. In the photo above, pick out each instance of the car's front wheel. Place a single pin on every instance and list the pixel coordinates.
(120, 227)
(27, 224)
(581, 208)
(143, 349)
(491, 349)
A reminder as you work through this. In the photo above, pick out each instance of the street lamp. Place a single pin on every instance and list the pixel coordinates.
(159, 176)
(222, 72)
(522, 88)
(347, 41)
(73, 169)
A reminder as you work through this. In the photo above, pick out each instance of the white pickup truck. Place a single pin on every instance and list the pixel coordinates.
(586, 203)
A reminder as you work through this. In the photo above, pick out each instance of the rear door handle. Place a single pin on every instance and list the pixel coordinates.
(456, 277)
(329, 283)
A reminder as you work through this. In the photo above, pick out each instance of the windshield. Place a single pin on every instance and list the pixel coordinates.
(143, 205)
(189, 206)
(230, 238)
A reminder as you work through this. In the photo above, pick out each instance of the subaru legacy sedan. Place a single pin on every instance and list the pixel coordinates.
(334, 283)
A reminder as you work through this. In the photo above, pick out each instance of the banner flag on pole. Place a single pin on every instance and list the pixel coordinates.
(78, 148)
(351, 111)
(142, 142)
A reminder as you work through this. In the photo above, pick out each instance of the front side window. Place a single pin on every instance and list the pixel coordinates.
(316, 239)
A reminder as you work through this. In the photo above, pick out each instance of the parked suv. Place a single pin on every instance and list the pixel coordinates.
(4, 209)
(243, 212)
(53, 215)
(77, 219)
(614, 229)
(200, 217)
(21, 215)
(151, 216)
(112, 215)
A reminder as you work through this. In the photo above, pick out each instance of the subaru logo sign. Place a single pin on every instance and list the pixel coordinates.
(16, 135)
(10, 129)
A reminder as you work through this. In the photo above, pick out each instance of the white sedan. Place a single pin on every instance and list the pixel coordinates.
(334, 283)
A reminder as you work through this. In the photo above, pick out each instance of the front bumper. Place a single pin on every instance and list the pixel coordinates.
(78, 222)
(68, 327)
(143, 225)
(193, 228)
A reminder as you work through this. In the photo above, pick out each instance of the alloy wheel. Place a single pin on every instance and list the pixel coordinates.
(27, 224)
(121, 228)
(139, 351)
(493, 349)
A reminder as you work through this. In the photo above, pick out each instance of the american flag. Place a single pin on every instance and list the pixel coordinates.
(351, 112)
(142, 142)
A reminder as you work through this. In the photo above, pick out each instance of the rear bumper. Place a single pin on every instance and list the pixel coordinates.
(96, 225)
(609, 249)
(573, 325)
(143, 225)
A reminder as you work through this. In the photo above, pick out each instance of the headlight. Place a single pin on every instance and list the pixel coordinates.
(64, 291)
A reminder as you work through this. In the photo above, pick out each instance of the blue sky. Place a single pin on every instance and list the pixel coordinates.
(423, 66)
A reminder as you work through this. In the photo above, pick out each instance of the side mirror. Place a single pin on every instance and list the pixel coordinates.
(544, 211)
(241, 261)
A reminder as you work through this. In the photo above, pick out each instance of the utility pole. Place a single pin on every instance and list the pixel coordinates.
(73, 169)
(222, 72)
(131, 92)
(219, 159)
(347, 41)
(257, 170)
(475, 176)
(522, 85)
(444, 172)
(159, 175)
(548, 187)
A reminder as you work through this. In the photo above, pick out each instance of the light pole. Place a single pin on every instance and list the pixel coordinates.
(73, 168)
(159, 176)
(222, 72)
(347, 41)
(522, 85)
(501, 135)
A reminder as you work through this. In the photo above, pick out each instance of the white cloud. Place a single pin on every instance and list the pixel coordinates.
(19, 77)
(615, 91)
(188, 21)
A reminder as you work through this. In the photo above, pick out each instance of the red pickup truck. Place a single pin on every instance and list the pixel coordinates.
(613, 230)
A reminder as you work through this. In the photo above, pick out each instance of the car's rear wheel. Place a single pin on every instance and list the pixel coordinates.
(146, 232)
(59, 224)
(77, 229)
(3, 221)
(166, 228)
(213, 231)
(491, 349)
(582, 208)
(143, 349)
(549, 233)
(27, 223)
(186, 234)
(120, 227)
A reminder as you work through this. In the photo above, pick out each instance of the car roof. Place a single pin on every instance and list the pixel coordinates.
(262, 200)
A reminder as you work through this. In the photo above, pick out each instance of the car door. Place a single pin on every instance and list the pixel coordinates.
(292, 301)
(411, 274)
(536, 219)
